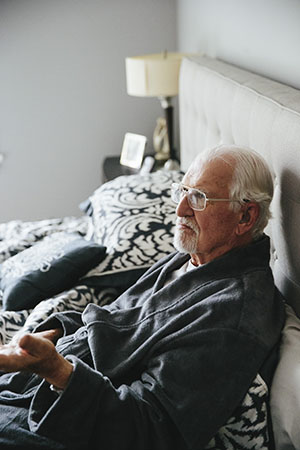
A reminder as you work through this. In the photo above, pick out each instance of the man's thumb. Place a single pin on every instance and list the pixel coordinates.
(34, 345)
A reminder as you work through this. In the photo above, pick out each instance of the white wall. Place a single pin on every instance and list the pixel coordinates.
(63, 100)
(260, 35)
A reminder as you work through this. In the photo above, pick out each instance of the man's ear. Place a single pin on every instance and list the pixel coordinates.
(248, 217)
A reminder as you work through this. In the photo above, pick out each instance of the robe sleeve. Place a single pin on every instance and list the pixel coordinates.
(189, 388)
(69, 321)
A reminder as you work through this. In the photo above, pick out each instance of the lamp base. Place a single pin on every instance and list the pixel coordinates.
(168, 109)
(161, 141)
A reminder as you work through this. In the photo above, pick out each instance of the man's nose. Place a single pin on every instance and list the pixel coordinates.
(183, 208)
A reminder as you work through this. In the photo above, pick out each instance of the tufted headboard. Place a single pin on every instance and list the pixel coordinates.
(223, 104)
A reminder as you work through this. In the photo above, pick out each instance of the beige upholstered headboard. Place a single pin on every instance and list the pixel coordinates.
(220, 103)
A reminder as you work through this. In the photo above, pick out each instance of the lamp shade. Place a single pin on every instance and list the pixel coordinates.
(154, 75)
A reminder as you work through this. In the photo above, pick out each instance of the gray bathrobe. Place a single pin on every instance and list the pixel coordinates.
(161, 368)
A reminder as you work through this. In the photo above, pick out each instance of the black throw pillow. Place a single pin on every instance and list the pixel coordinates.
(49, 267)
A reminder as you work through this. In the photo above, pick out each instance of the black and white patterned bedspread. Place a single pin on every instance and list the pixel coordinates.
(16, 236)
(130, 217)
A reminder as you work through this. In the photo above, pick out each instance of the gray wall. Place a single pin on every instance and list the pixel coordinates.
(63, 100)
(260, 35)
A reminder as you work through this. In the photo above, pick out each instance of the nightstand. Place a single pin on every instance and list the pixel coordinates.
(112, 168)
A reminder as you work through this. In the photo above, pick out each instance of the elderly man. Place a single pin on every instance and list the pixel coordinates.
(169, 363)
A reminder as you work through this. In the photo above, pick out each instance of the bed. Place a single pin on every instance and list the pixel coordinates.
(127, 223)
(223, 104)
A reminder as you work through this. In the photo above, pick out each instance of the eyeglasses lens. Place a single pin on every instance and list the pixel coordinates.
(175, 193)
(195, 198)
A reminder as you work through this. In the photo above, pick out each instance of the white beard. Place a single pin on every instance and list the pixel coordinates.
(186, 241)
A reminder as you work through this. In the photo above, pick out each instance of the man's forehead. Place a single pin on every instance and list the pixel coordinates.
(214, 173)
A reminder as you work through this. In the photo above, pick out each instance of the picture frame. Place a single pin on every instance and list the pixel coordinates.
(133, 150)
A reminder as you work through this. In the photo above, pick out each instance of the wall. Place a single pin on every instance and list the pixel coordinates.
(260, 35)
(63, 100)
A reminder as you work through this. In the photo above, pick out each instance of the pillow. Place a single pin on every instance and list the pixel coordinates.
(134, 217)
(47, 268)
(285, 390)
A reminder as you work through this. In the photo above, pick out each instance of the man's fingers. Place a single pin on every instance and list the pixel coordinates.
(53, 334)
(37, 354)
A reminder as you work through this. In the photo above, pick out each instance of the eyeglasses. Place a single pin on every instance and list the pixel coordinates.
(196, 199)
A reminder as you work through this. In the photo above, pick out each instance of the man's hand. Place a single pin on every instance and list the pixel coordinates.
(36, 353)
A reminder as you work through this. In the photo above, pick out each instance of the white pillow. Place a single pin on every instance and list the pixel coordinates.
(285, 390)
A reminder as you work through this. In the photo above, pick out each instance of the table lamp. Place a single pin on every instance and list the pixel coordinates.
(156, 75)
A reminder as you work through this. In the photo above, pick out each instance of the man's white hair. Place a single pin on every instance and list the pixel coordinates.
(252, 180)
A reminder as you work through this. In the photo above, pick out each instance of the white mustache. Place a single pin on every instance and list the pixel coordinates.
(189, 222)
